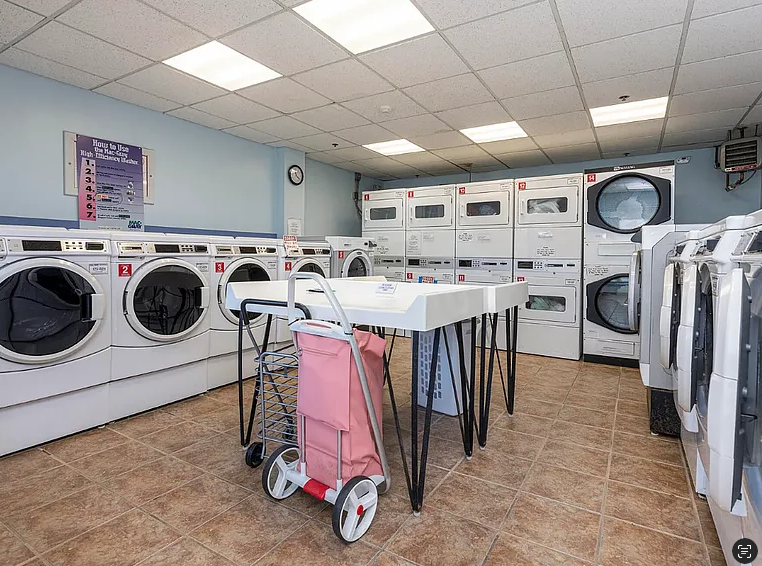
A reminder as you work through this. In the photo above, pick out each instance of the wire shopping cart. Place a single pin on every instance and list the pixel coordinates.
(339, 455)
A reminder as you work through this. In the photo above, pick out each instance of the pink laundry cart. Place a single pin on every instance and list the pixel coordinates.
(339, 455)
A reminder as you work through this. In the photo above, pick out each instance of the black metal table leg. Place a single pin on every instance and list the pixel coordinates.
(485, 397)
(511, 334)
(244, 321)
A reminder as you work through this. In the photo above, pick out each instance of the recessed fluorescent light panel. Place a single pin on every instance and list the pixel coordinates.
(362, 25)
(494, 132)
(220, 65)
(394, 147)
(630, 112)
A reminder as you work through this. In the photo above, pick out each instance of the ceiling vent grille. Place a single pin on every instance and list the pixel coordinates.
(741, 154)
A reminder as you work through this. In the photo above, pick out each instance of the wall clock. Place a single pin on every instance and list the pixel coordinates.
(295, 175)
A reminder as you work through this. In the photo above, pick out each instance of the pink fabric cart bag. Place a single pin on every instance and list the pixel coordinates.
(330, 398)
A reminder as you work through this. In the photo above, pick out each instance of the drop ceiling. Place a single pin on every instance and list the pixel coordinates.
(542, 63)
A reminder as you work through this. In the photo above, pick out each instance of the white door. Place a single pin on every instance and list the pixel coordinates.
(356, 264)
(669, 316)
(430, 212)
(244, 269)
(384, 214)
(558, 205)
(484, 209)
(550, 303)
(633, 291)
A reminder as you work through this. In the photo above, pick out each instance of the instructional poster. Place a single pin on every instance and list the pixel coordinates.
(110, 176)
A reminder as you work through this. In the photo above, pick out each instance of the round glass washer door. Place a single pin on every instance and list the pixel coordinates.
(241, 270)
(611, 303)
(49, 309)
(357, 264)
(628, 203)
(310, 266)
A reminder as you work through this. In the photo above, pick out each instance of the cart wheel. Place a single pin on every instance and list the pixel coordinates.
(274, 480)
(254, 455)
(354, 509)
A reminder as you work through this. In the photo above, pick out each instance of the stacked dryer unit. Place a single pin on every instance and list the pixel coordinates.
(548, 255)
(430, 235)
(383, 222)
(619, 201)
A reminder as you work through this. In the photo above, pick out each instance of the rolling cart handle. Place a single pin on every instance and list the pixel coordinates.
(327, 292)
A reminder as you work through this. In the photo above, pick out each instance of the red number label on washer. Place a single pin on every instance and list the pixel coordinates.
(219, 267)
(519, 279)
(125, 270)
(366, 197)
(461, 190)
(341, 255)
(409, 275)
(592, 177)
(461, 277)
(522, 186)
(288, 266)
(410, 194)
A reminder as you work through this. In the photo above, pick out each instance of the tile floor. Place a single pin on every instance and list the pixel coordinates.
(573, 478)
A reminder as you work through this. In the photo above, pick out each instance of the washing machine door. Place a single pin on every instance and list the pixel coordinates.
(628, 201)
(357, 264)
(703, 342)
(240, 270)
(49, 309)
(607, 303)
(634, 289)
(669, 316)
(165, 300)
(309, 266)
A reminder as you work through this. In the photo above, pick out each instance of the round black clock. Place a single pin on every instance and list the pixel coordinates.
(295, 175)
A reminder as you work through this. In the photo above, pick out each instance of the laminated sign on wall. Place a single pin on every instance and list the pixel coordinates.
(110, 181)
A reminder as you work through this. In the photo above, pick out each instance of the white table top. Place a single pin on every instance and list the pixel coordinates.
(411, 306)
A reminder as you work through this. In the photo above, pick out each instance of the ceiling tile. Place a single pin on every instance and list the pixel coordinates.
(291, 145)
(559, 101)
(460, 153)
(193, 115)
(629, 153)
(698, 136)
(367, 171)
(14, 21)
(417, 126)
(47, 68)
(324, 157)
(508, 146)
(434, 59)
(285, 43)
(454, 92)
(630, 131)
(73, 48)
(485, 43)
(364, 135)
(687, 147)
(586, 152)
(284, 95)
(486, 161)
(615, 19)
(556, 124)
(702, 8)
(236, 109)
(402, 171)
(441, 140)
(619, 146)
(538, 74)
(713, 100)
(575, 137)
(250, 134)
(420, 159)
(330, 118)
(219, 17)
(352, 153)
(384, 164)
(475, 116)
(743, 26)
(640, 86)
(519, 159)
(655, 49)
(285, 127)
(134, 26)
(163, 81)
(135, 96)
(400, 104)
(755, 116)
(446, 168)
(718, 73)
(445, 13)
(705, 121)
(345, 80)
(321, 142)
(44, 7)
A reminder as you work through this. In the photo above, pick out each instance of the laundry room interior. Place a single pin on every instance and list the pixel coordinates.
(380, 282)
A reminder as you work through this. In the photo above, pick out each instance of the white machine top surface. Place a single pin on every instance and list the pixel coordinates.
(752, 220)
(410, 306)
(729, 223)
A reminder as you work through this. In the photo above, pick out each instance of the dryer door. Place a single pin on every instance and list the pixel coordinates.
(626, 202)
(357, 264)
(430, 212)
(547, 206)
(703, 343)
(49, 309)
(240, 270)
(166, 299)
(383, 214)
(633, 291)
(484, 209)
(607, 303)
(669, 316)
(551, 303)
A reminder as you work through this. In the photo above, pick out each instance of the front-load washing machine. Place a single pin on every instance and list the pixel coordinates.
(352, 257)
(430, 270)
(235, 260)
(161, 320)
(487, 271)
(484, 220)
(55, 334)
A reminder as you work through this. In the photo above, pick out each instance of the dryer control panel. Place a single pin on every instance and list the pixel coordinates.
(572, 267)
(22, 245)
(485, 264)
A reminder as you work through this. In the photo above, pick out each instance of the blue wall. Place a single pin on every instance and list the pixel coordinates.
(699, 188)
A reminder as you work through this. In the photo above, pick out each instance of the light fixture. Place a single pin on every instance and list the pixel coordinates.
(394, 147)
(362, 25)
(220, 65)
(650, 109)
(494, 132)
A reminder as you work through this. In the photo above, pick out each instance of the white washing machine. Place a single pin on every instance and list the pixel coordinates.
(55, 334)
(235, 260)
(487, 271)
(549, 322)
(160, 320)
(484, 221)
(619, 201)
(352, 257)
(430, 270)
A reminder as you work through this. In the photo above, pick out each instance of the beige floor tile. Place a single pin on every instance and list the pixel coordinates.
(186, 552)
(177, 437)
(511, 551)
(575, 457)
(214, 454)
(649, 474)
(25, 465)
(566, 486)
(515, 443)
(141, 425)
(707, 523)
(544, 394)
(592, 437)
(633, 425)
(444, 453)
(389, 559)
(498, 468)
(595, 402)
(716, 557)
(536, 407)
(152, 480)
(50, 525)
(629, 545)
(24, 495)
(632, 408)
(317, 545)
(12, 551)
(194, 407)
(117, 460)
(446, 427)
(128, 539)
(520, 422)
(437, 538)
(581, 415)
(221, 420)
(660, 511)
(196, 502)
(634, 394)
(84, 444)
(592, 385)
(473, 499)
(600, 370)
(561, 527)
(649, 447)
